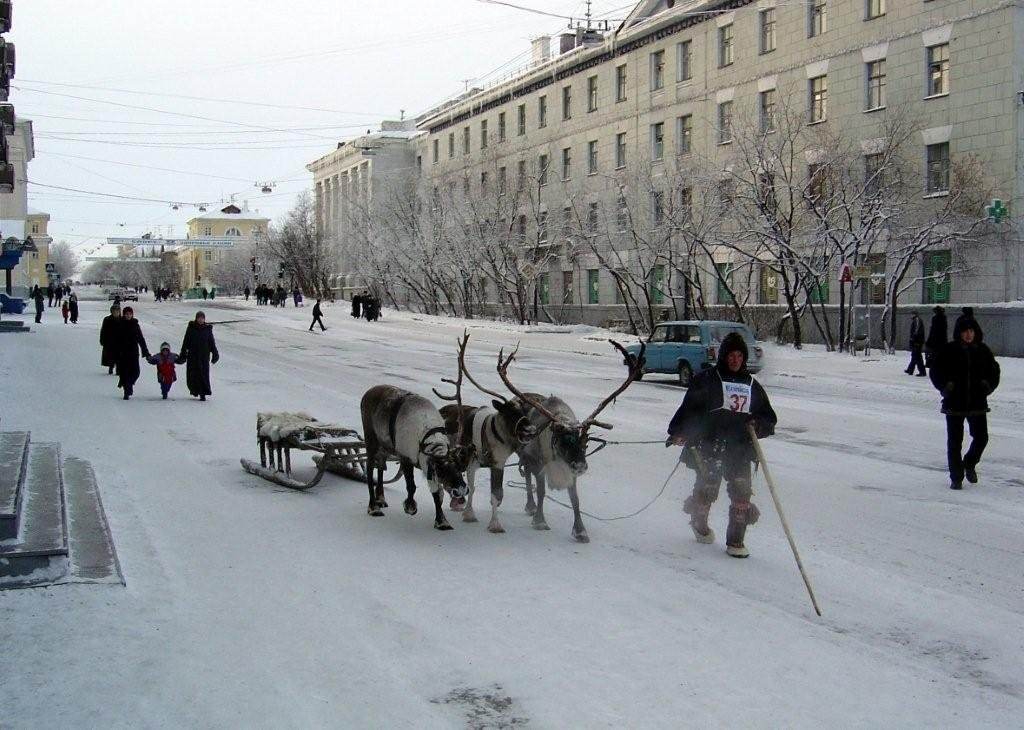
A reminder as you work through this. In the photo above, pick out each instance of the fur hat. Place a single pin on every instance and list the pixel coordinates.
(939, 310)
(164, 346)
(732, 342)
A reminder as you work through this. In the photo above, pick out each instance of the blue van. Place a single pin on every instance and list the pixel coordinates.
(684, 348)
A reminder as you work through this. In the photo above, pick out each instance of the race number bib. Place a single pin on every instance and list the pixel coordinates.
(736, 397)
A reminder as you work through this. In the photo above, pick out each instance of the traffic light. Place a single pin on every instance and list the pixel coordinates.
(7, 118)
(7, 67)
(5, 16)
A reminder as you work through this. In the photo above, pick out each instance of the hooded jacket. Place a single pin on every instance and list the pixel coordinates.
(708, 422)
(965, 374)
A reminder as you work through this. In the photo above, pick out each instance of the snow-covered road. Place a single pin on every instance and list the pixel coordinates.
(248, 605)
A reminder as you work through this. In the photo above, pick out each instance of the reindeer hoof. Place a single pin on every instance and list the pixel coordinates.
(531, 509)
(383, 504)
(374, 511)
(410, 506)
(469, 515)
(495, 527)
(457, 504)
(581, 536)
(443, 526)
(540, 526)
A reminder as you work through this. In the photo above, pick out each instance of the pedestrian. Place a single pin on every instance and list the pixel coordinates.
(916, 346)
(371, 308)
(129, 343)
(937, 334)
(357, 303)
(966, 372)
(65, 310)
(165, 373)
(37, 296)
(197, 349)
(317, 314)
(108, 338)
(206, 293)
(49, 294)
(711, 425)
(73, 307)
(247, 291)
(213, 292)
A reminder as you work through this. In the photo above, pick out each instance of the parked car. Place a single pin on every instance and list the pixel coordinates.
(685, 348)
(124, 294)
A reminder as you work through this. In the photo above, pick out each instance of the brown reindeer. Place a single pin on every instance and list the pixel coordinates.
(489, 435)
(558, 456)
(406, 426)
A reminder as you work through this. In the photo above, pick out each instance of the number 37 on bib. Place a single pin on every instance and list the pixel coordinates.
(736, 397)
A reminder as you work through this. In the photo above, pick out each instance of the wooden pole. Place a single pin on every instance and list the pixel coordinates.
(782, 516)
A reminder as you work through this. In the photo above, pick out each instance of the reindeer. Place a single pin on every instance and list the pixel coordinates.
(489, 435)
(559, 457)
(397, 423)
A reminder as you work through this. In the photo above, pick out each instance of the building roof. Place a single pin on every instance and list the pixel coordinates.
(37, 213)
(365, 141)
(230, 212)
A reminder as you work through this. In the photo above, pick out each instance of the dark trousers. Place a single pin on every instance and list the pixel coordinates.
(317, 320)
(916, 360)
(978, 426)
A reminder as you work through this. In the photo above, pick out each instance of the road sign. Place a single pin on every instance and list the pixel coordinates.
(845, 274)
(51, 267)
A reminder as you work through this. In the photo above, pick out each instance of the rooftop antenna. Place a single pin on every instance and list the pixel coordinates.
(467, 82)
(401, 115)
(588, 23)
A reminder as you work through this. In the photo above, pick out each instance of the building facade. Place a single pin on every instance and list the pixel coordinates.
(36, 225)
(670, 85)
(195, 264)
(14, 209)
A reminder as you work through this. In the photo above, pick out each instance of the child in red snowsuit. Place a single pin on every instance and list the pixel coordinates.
(65, 310)
(165, 374)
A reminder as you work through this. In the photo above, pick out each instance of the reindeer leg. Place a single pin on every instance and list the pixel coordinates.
(381, 503)
(468, 515)
(531, 506)
(497, 494)
(578, 530)
(372, 509)
(410, 489)
(539, 523)
(440, 521)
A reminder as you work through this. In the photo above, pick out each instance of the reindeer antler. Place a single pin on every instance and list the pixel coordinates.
(636, 365)
(470, 378)
(457, 398)
(503, 364)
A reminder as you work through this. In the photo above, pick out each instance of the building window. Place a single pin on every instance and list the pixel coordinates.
(542, 112)
(657, 208)
(593, 286)
(566, 102)
(875, 9)
(484, 183)
(686, 200)
(465, 185)
(724, 283)
(542, 170)
(684, 134)
(938, 277)
(656, 283)
(521, 120)
(592, 94)
(725, 46)
(817, 184)
(874, 292)
(208, 255)
(658, 141)
(684, 61)
(567, 163)
(817, 17)
(521, 175)
(769, 286)
(622, 213)
(620, 83)
(35, 228)
(542, 227)
(620, 150)
(592, 157)
(544, 289)
(726, 194)
(483, 134)
(725, 122)
(208, 231)
(502, 180)
(873, 175)
(937, 180)
(592, 214)
(521, 227)
(567, 287)
(876, 84)
(766, 113)
(938, 70)
(465, 141)
(657, 70)
(767, 35)
(451, 144)
(819, 98)
(567, 221)
(502, 135)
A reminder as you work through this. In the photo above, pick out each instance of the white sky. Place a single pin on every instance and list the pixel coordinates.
(356, 62)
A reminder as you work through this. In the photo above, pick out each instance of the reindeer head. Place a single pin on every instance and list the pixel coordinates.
(569, 438)
(444, 463)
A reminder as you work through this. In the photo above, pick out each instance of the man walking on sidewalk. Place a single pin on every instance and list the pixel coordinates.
(916, 346)
(317, 314)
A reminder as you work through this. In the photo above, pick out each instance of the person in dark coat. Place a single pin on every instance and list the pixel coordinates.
(73, 307)
(108, 339)
(357, 303)
(966, 372)
(49, 294)
(198, 351)
(129, 343)
(246, 291)
(937, 334)
(37, 297)
(317, 314)
(711, 425)
(916, 346)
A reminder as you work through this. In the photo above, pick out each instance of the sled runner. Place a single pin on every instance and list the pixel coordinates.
(339, 450)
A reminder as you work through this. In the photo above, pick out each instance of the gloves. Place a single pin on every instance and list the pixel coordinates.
(215, 358)
(677, 440)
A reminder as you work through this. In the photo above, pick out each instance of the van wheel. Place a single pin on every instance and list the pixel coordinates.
(685, 374)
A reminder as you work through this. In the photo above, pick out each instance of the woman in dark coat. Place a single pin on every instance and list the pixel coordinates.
(937, 335)
(129, 342)
(108, 338)
(196, 351)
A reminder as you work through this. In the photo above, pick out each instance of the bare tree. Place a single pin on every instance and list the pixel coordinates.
(64, 259)
(299, 244)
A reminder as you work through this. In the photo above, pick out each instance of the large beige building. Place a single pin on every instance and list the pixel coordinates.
(671, 82)
(228, 221)
(14, 211)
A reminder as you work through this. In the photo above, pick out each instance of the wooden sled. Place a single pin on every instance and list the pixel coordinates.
(338, 450)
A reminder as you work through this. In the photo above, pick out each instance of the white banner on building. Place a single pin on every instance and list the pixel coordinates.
(211, 242)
